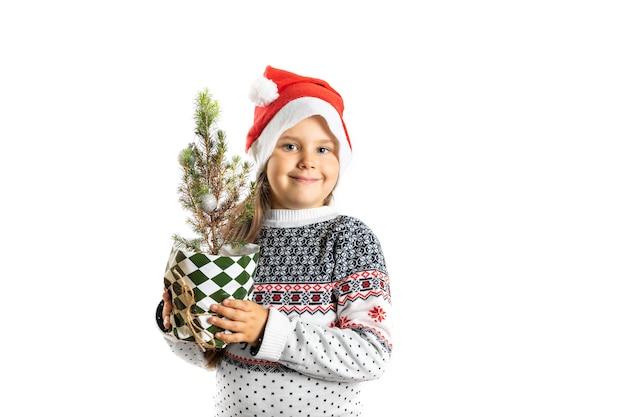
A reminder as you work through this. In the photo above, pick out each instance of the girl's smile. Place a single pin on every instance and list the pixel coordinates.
(305, 179)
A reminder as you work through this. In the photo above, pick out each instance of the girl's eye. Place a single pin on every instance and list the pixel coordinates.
(289, 146)
(324, 150)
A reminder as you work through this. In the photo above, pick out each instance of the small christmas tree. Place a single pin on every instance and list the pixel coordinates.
(212, 184)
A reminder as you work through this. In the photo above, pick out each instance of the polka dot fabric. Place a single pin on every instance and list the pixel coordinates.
(248, 392)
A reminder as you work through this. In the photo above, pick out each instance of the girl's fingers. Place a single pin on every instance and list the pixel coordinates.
(228, 312)
(230, 338)
(231, 325)
(234, 309)
(234, 304)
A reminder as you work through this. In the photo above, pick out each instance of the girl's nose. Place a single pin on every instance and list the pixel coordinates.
(308, 160)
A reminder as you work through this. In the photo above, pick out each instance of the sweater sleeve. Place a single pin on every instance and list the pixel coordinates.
(187, 351)
(357, 346)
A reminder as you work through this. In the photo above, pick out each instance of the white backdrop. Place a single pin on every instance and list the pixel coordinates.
(488, 158)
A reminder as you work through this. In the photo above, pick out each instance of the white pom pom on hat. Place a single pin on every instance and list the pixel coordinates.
(263, 91)
(282, 100)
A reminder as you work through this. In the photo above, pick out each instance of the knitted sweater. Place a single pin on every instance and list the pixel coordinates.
(324, 279)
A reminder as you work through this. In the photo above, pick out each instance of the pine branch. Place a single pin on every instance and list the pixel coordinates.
(211, 185)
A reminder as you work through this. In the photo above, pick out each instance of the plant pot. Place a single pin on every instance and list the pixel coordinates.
(197, 280)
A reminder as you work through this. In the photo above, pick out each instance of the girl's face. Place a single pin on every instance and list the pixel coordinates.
(303, 169)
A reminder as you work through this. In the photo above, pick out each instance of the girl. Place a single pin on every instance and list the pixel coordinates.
(320, 320)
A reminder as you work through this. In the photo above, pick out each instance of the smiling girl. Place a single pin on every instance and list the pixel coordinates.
(319, 323)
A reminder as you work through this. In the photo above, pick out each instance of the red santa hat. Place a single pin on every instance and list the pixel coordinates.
(282, 100)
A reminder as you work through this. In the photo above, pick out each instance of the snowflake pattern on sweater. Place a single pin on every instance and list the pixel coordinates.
(324, 279)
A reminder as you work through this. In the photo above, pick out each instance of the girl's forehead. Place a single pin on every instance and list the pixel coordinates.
(313, 127)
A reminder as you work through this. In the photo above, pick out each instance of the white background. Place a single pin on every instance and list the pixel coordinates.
(488, 158)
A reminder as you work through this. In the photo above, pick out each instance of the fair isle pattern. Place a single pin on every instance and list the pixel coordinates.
(301, 298)
(309, 298)
(312, 298)
(291, 278)
(321, 253)
(363, 285)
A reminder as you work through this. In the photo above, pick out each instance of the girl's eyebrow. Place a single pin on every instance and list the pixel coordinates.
(289, 138)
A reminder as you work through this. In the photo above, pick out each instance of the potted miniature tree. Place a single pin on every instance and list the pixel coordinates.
(208, 268)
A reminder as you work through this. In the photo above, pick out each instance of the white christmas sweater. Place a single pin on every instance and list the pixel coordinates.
(324, 279)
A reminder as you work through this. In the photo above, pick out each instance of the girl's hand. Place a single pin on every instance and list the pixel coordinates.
(167, 308)
(245, 319)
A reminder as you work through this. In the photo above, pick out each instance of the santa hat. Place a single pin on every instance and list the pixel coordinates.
(283, 99)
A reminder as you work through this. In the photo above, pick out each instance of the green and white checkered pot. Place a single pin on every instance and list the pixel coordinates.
(197, 280)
